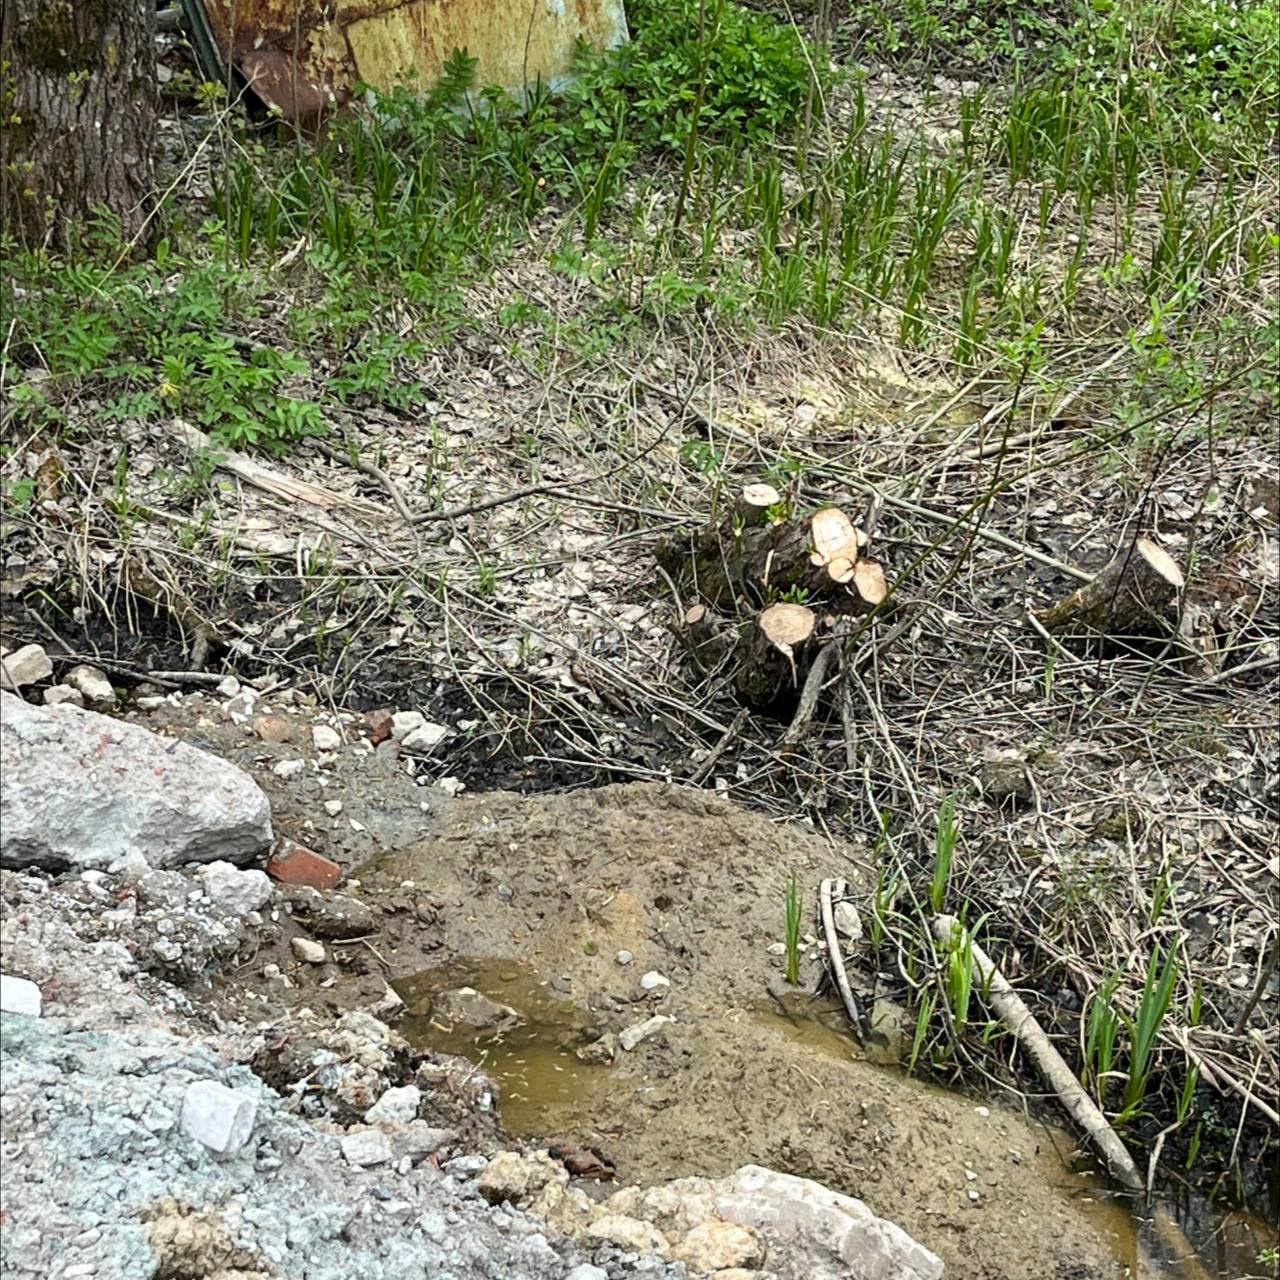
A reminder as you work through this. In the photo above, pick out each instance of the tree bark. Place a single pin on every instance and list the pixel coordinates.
(78, 112)
(1135, 595)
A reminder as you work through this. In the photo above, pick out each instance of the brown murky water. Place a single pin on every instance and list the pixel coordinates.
(548, 1092)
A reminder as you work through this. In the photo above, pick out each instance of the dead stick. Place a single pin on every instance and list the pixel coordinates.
(1265, 970)
(374, 473)
(836, 961)
(808, 698)
(701, 773)
(1061, 1079)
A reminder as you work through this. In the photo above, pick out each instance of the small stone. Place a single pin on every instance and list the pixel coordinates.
(273, 729)
(634, 1035)
(63, 693)
(293, 863)
(307, 951)
(366, 1147)
(27, 665)
(469, 1008)
(389, 1006)
(655, 981)
(624, 957)
(587, 1272)
(379, 725)
(286, 770)
(452, 786)
(396, 1106)
(228, 687)
(417, 1140)
(147, 701)
(333, 807)
(716, 1246)
(425, 738)
(466, 1166)
(848, 921)
(332, 915)
(628, 1233)
(984, 1112)
(236, 892)
(599, 1052)
(517, 1178)
(777, 948)
(404, 723)
(240, 708)
(218, 1118)
(19, 995)
(974, 1196)
(93, 684)
(325, 738)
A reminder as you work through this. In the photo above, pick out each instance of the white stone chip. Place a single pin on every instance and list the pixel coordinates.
(366, 1147)
(19, 995)
(324, 738)
(307, 951)
(218, 1118)
(632, 1036)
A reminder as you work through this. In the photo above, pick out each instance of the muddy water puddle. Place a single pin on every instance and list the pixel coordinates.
(550, 1093)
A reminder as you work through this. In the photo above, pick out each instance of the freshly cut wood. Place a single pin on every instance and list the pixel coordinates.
(706, 637)
(773, 655)
(755, 502)
(787, 625)
(741, 562)
(834, 537)
(870, 582)
(1135, 595)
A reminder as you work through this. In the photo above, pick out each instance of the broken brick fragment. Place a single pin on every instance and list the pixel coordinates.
(294, 863)
(379, 725)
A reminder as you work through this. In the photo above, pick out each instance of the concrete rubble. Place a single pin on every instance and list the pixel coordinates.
(26, 665)
(756, 1220)
(83, 790)
(138, 1143)
(147, 1134)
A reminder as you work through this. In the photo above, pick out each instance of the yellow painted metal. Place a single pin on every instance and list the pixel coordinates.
(304, 56)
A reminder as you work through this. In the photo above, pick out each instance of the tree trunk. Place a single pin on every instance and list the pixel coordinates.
(78, 112)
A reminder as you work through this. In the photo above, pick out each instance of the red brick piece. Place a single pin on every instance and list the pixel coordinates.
(379, 726)
(293, 863)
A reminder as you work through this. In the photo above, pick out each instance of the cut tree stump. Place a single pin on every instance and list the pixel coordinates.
(1135, 595)
(746, 576)
(773, 655)
(706, 637)
(751, 557)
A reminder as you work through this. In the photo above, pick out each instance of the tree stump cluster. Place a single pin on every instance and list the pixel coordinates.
(769, 591)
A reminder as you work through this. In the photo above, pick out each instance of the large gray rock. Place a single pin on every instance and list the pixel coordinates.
(822, 1234)
(810, 1232)
(81, 790)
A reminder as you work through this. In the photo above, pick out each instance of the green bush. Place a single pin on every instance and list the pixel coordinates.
(754, 73)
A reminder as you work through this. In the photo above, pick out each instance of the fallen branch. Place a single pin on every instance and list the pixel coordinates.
(809, 696)
(374, 473)
(836, 960)
(1060, 1078)
(703, 771)
(266, 478)
(1071, 1094)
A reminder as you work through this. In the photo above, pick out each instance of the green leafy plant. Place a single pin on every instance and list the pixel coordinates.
(1144, 1029)
(1102, 1032)
(948, 835)
(793, 919)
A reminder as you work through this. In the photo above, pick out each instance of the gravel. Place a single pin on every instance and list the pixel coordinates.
(103, 1094)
